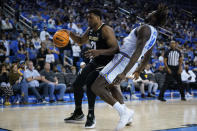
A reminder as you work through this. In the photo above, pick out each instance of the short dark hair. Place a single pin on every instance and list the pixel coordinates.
(161, 14)
(96, 12)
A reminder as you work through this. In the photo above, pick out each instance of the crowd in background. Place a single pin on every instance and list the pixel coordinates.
(19, 45)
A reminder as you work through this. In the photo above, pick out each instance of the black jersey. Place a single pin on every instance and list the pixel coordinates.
(97, 42)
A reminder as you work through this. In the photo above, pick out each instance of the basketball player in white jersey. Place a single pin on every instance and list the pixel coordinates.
(139, 43)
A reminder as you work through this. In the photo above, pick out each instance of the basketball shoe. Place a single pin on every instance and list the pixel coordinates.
(75, 117)
(90, 122)
(126, 117)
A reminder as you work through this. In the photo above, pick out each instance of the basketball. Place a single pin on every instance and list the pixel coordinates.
(61, 38)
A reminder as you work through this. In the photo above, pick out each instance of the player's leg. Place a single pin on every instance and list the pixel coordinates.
(78, 94)
(100, 88)
(116, 93)
(91, 122)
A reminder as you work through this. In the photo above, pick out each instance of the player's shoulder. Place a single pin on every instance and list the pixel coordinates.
(107, 28)
(144, 30)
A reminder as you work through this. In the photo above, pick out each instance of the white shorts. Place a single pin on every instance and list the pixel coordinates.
(116, 66)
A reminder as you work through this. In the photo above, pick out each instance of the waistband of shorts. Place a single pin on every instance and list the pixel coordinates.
(124, 54)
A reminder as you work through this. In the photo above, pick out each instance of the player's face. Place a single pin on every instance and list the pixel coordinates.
(92, 19)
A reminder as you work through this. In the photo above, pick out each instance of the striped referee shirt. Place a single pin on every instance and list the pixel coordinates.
(173, 57)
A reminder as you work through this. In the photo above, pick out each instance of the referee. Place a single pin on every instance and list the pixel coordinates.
(173, 64)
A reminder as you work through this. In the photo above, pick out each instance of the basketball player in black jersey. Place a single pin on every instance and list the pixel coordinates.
(104, 46)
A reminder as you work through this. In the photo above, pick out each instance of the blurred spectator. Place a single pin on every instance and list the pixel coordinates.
(128, 86)
(72, 26)
(55, 52)
(5, 85)
(160, 76)
(50, 25)
(138, 84)
(21, 37)
(188, 77)
(151, 77)
(48, 42)
(79, 29)
(76, 53)
(21, 53)
(2, 52)
(51, 21)
(53, 83)
(32, 53)
(42, 52)
(161, 57)
(19, 85)
(146, 82)
(43, 34)
(32, 77)
(36, 41)
(6, 45)
(17, 26)
(6, 24)
(70, 77)
(59, 74)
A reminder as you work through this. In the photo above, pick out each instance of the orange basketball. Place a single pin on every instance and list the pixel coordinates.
(61, 38)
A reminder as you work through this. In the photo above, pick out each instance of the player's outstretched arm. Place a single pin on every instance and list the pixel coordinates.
(78, 39)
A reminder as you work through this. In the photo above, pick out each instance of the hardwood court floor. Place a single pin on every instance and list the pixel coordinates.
(149, 115)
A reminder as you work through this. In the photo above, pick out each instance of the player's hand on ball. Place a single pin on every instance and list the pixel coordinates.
(92, 53)
(119, 78)
(136, 75)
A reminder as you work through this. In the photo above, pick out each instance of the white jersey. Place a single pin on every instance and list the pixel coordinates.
(129, 45)
(122, 59)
